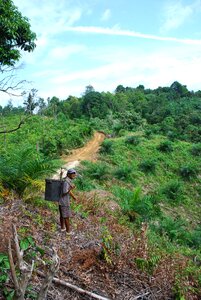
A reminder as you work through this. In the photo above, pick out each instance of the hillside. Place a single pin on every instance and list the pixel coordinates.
(136, 222)
(118, 251)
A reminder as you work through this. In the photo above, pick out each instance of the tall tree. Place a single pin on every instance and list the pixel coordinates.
(31, 103)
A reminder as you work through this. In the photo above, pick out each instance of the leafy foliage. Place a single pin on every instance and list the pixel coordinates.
(106, 147)
(196, 149)
(176, 230)
(148, 166)
(98, 171)
(173, 190)
(20, 167)
(123, 173)
(188, 171)
(15, 33)
(4, 267)
(132, 140)
(135, 205)
(165, 146)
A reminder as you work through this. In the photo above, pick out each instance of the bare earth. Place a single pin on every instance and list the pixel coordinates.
(88, 152)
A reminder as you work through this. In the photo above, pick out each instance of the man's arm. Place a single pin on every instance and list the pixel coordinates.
(72, 195)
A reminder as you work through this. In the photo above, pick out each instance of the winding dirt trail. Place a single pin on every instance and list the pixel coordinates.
(88, 152)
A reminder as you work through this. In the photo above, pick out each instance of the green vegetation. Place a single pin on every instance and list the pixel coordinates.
(15, 34)
(150, 164)
(39, 143)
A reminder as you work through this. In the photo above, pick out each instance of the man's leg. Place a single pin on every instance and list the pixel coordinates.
(62, 220)
(67, 223)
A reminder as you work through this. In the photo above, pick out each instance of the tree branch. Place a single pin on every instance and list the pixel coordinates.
(49, 276)
(15, 129)
(24, 268)
(12, 267)
(74, 287)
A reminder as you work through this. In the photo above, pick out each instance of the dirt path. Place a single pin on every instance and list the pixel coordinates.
(88, 152)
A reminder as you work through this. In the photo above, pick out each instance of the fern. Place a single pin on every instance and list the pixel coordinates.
(19, 168)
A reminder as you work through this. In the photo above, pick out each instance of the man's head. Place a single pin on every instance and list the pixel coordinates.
(71, 173)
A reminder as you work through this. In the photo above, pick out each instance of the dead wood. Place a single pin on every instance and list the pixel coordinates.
(74, 287)
(25, 269)
(49, 277)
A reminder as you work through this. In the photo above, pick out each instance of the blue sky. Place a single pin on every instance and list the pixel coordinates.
(107, 43)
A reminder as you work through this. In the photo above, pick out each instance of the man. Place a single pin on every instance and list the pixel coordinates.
(64, 201)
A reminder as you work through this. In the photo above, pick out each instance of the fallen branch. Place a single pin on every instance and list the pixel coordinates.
(74, 287)
(141, 296)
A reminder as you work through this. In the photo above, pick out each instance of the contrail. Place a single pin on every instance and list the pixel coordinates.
(120, 32)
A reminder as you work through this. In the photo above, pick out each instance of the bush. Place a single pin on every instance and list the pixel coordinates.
(21, 167)
(148, 166)
(148, 133)
(171, 135)
(132, 140)
(106, 147)
(196, 150)
(176, 231)
(123, 173)
(96, 171)
(84, 184)
(165, 146)
(173, 191)
(135, 205)
(188, 172)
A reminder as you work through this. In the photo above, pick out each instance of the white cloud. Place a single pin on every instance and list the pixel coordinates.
(49, 17)
(116, 31)
(175, 14)
(131, 68)
(106, 15)
(62, 53)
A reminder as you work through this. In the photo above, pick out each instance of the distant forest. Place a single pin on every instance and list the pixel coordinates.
(172, 111)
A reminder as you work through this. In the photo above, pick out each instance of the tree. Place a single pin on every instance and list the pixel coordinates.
(15, 34)
(120, 89)
(179, 89)
(93, 105)
(41, 105)
(89, 88)
(31, 103)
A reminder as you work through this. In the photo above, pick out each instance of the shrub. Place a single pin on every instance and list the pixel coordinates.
(22, 166)
(135, 205)
(173, 190)
(196, 150)
(132, 140)
(106, 147)
(171, 135)
(96, 171)
(84, 184)
(148, 166)
(175, 229)
(188, 172)
(123, 173)
(165, 146)
(148, 133)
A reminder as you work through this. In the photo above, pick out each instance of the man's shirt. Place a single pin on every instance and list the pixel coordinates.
(65, 197)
